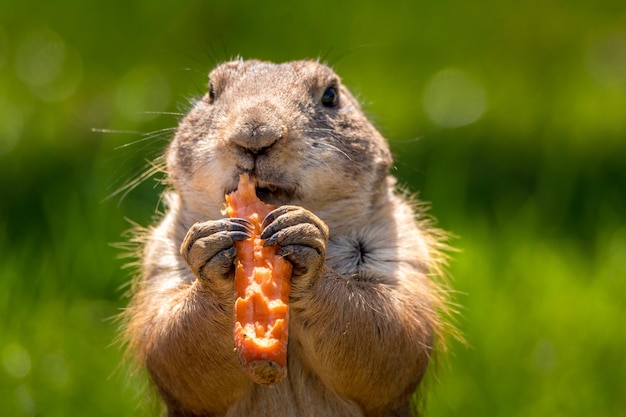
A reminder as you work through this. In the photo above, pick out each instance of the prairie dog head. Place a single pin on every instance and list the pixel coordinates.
(293, 127)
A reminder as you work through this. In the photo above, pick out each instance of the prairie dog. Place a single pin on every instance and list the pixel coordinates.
(364, 311)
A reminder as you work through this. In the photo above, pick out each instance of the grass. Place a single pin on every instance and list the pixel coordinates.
(540, 320)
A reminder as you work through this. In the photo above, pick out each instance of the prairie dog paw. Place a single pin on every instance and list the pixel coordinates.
(301, 235)
(208, 247)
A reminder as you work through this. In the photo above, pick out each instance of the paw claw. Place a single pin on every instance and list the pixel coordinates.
(239, 235)
(243, 222)
(208, 247)
(274, 214)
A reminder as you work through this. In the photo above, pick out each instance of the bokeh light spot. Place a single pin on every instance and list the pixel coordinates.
(544, 356)
(56, 370)
(25, 401)
(11, 125)
(606, 59)
(16, 360)
(51, 68)
(453, 99)
(4, 47)
(141, 93)
(40, 56)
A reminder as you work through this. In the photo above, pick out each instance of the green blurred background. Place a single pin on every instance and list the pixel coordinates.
(509, 117)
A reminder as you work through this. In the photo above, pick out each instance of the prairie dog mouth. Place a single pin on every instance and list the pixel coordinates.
(266, 194)
(275, 195)
(269, 193)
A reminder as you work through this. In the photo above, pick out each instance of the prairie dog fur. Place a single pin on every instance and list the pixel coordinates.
(364, 311)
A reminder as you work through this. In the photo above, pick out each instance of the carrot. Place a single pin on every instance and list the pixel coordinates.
(262, 284)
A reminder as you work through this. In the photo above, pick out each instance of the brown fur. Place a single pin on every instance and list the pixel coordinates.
(364, 311)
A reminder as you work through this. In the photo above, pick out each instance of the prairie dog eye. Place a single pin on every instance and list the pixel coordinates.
(330, 98)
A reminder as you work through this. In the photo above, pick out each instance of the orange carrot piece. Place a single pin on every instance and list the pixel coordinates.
(262, 284)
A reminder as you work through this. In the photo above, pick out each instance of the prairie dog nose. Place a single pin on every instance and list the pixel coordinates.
(256, 129)
(256, 137)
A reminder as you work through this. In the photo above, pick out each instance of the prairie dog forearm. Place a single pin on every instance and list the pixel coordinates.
(363, 338)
